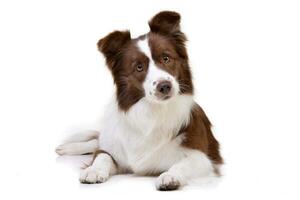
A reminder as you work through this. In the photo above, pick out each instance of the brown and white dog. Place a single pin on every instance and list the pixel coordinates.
(152, 125)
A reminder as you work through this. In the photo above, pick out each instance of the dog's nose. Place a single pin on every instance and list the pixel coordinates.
(164, 87)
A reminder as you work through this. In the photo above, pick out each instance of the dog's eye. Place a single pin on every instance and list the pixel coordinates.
(139, 68)
(166, 59)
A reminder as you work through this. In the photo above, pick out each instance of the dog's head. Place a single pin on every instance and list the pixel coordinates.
(153, 66)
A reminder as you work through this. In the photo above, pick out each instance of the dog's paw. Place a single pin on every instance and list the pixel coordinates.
(167, 181)
(91, 176)
(65, 149)
(61, 149)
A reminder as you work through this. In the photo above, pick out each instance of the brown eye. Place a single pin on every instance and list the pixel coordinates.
(166, 59)
(139, 68)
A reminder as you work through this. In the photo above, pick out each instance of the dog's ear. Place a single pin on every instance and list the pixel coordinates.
(165, 22)
(112, 44)
(168, 23)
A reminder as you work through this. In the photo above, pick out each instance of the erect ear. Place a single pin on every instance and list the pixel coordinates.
(112, 44)
(165, 22)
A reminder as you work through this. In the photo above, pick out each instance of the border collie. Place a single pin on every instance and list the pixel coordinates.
(152, 125)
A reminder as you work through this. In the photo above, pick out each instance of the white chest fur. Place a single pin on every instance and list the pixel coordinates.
(144, 138)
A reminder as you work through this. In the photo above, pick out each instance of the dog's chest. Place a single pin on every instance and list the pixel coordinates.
(144, 139)
(153, 152)
(150, 139)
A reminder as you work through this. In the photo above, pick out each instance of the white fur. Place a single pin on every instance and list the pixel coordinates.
(142, 139)
(79, 143)
(194, 164)
(76, 148)
(82, 136)
(103, 166)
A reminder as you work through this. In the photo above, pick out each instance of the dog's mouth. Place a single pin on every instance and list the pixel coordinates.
(163, 97)
(166, 97)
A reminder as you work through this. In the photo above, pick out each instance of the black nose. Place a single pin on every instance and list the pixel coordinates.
(164, 87)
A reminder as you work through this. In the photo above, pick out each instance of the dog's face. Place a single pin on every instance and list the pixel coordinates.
(153, 66)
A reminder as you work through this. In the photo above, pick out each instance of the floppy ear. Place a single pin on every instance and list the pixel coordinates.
(112, 44)
(165, 22)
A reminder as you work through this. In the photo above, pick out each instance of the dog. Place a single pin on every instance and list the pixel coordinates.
(152, 125)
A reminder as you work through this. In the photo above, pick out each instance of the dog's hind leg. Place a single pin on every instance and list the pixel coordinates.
(82, 136)
(80, 143)
(77, 148)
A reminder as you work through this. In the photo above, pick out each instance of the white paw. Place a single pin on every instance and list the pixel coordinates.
(91, 175)
(167, 181)
(65, 149)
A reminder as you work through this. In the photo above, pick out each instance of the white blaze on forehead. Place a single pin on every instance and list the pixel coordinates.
(143, 45)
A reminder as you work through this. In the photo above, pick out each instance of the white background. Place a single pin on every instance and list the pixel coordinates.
(245, 57)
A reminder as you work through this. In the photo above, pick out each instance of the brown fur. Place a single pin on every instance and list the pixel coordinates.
(165, 22)
(198, 135)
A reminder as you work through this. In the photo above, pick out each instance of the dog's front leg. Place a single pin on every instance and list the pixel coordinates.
(195, 164)
(102, 167)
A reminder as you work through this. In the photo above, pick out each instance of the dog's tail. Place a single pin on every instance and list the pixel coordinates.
(80, 143)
